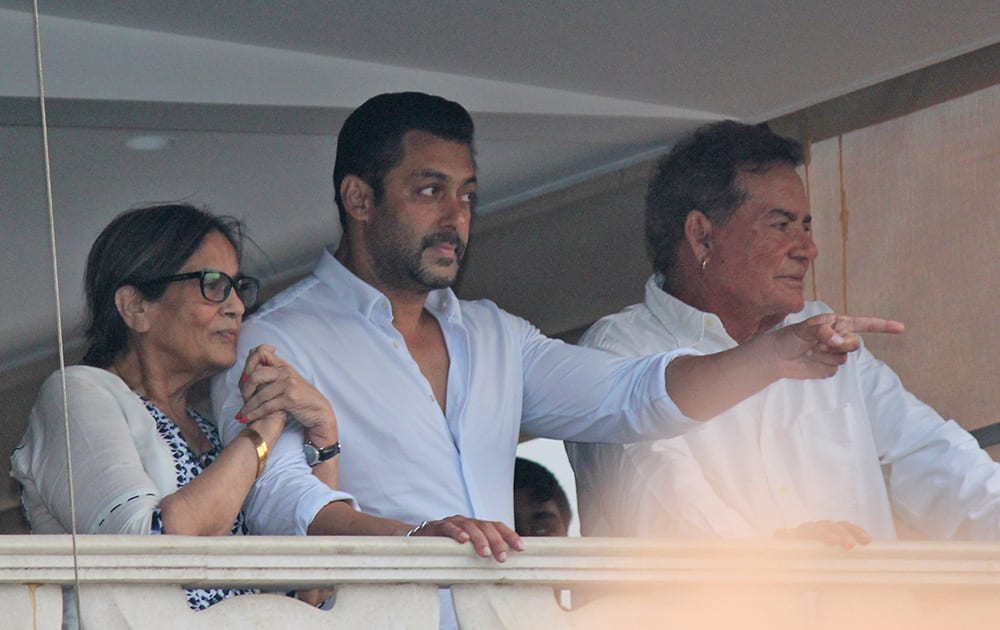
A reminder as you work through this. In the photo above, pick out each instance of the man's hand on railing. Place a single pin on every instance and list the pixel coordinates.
(487, 537)
(833, 533)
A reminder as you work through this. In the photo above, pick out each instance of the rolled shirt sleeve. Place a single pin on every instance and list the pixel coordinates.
(589, 395)
(287, 497)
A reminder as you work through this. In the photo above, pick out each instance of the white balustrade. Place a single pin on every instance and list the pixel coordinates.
(135, 582)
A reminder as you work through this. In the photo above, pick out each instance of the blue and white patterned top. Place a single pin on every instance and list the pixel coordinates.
(189, 465)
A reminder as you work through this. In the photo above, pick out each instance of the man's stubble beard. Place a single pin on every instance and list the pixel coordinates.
(401, 267)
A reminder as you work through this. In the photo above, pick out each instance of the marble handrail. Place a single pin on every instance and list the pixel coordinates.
(132, 581)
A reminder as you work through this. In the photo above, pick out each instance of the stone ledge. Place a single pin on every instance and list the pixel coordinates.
(297, 562)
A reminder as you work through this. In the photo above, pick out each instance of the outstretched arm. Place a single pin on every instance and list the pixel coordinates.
(705, 386)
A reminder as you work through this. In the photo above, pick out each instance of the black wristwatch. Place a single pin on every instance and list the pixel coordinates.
(316, 456)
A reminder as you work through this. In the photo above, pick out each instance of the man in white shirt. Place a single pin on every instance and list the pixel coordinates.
(728, 228)
(431, 392)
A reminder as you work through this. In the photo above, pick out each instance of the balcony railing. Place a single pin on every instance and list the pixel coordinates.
(134, 582)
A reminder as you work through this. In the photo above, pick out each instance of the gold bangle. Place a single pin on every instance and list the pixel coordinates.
(259, 444)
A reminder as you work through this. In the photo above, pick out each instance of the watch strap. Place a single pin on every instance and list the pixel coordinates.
(323, 454)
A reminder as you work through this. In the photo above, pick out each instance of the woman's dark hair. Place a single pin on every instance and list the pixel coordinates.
(702, 172)
(139, 245)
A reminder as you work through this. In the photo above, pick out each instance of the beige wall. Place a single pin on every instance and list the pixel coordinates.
(923, 219)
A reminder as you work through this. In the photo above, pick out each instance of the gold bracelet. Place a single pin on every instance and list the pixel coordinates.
(259, 444)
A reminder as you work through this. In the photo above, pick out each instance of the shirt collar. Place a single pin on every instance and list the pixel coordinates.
(356, 294)
(444, 304)
(687, 323)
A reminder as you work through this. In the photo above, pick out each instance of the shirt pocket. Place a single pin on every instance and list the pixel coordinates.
(829, 456)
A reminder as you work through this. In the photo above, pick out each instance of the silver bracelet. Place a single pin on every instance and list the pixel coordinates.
(416, 529)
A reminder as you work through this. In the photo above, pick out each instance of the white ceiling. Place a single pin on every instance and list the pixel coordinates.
(252, 94)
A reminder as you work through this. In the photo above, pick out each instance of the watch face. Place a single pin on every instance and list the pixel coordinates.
(315, 456)
(312, 455)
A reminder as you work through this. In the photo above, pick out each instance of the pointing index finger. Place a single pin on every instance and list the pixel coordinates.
(877, 325)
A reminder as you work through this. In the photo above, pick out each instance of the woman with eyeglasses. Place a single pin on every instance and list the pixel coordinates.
(166, 300)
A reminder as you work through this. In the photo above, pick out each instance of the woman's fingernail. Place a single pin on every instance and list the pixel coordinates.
(241, 418)
(484, 551)
(243, 377)
(503, 556)
(836, 339)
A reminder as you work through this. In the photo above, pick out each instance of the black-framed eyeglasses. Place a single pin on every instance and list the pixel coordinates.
(216, 285)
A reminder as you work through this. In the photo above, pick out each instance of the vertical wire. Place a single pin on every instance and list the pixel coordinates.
(55, 279)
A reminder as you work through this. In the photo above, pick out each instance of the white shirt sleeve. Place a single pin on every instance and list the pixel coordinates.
(113, 491)
(287, 497)
(589, 395)
(939, 480)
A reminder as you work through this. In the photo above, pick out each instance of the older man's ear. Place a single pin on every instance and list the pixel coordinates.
(698, 234)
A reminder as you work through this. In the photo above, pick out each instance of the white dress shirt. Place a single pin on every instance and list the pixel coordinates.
(402, 457)
(855, 447)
